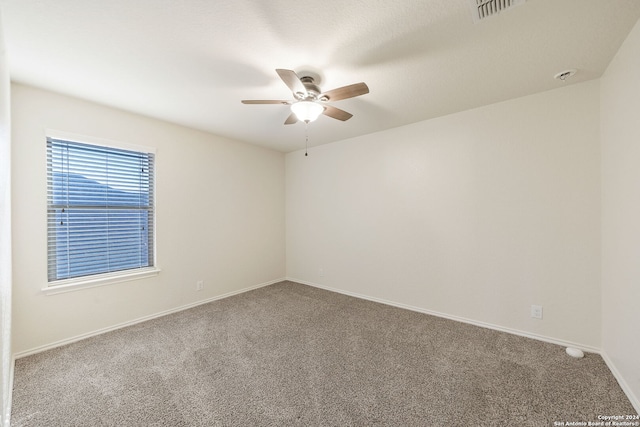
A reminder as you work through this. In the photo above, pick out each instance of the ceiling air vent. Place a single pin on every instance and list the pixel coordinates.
(481, 9)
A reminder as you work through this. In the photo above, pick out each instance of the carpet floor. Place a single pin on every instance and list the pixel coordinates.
(290, 354)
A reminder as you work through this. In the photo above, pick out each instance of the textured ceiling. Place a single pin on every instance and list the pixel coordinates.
(192, 61)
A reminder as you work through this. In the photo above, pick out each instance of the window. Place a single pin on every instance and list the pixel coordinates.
(100, 209)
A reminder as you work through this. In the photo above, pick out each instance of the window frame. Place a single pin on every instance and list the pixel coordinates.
(101, 279)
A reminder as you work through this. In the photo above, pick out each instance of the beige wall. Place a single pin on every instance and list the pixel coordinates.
(478, 215)
(620, 126)
(220, 218)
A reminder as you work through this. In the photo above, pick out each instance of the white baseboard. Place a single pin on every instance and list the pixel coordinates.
(564, 343)
(635, 400)
(138, 320)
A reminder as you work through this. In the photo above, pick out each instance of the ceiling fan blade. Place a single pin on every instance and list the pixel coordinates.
(336, 113)
(291, 79)
(291, 119)
(264, 101)
(345, 92)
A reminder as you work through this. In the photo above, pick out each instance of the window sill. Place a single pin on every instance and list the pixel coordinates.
(76, 284)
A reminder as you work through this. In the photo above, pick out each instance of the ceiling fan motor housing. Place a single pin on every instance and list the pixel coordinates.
(313, 91)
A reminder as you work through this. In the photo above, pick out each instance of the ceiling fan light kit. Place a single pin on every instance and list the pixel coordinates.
(307, 111)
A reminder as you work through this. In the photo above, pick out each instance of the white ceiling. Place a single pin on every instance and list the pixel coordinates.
(192, 61)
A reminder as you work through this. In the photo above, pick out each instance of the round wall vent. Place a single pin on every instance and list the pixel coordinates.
(564, 75)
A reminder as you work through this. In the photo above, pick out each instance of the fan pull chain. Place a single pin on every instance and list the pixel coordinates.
(306, 135)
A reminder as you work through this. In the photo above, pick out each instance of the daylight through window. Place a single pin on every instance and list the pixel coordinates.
(100, 209)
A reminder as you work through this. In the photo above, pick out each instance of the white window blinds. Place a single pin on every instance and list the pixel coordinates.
(100, 209)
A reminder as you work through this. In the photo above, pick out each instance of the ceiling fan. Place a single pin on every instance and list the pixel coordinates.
(309, 101)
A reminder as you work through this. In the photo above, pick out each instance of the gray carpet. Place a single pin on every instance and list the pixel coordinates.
(289, 354)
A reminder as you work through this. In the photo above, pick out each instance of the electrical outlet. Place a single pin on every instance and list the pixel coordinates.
(536, 311)
(321, 272)
(199, 285)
